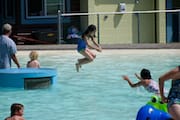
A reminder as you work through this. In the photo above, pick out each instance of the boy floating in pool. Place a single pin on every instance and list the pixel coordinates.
(145, 81)
(84, 43)
(17, 111)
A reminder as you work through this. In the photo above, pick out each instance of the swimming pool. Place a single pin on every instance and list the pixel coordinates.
(97, 92)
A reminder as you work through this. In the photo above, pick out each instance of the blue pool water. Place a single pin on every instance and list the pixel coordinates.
(97, 92)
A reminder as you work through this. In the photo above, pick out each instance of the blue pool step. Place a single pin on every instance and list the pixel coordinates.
(28, 78)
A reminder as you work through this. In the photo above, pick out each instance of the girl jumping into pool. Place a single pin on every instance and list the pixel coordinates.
(84, 45)
(145, 81)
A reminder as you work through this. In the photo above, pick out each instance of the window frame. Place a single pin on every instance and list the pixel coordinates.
(6, 11)
(45, 10)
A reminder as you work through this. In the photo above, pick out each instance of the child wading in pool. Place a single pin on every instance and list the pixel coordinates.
(84, 43)
(33, 63)
(145, 81)
(17, 111)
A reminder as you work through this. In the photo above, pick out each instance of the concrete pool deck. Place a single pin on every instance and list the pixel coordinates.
(110, 46)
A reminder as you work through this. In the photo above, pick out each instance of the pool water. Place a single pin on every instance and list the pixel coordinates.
(97, 92)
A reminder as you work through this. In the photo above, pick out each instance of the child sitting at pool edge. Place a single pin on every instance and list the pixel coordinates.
(145, 80)
(17, 111)
(33, 63)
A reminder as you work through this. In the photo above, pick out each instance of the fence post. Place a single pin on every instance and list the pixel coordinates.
(98, 28)
(138, 26)
(59, 27)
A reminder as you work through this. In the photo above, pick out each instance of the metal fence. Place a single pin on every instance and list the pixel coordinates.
(98, 15)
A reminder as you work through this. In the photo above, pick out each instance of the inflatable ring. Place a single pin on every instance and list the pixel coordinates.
(148, 112)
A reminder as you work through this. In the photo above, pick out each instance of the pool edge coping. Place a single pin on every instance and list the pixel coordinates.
(104, 46)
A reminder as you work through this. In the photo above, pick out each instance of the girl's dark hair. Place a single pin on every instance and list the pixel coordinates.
(15, 108)
(90, 28)
(145, 74)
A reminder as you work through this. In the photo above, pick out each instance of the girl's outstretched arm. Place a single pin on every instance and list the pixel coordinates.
(130, 83)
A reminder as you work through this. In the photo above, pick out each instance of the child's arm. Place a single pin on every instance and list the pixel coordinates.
(130, 83)
(87, 43)
(97, 46)
(95, 43)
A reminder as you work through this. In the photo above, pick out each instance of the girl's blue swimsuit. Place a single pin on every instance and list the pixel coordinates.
(81, 45)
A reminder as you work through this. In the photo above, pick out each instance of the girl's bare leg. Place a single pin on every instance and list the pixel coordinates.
(88, 58)
(91, 53)
(84, 61)
(77, 67)
(80, 61)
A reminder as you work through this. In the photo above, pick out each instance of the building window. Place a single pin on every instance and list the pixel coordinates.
(9, 9)
(43, 8)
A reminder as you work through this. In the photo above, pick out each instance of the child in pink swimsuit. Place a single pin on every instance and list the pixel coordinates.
(145, 81)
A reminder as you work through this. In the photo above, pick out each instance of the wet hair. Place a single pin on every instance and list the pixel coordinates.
(6, 28)
(145, 74)
(15, 107)
(89, 29)
(33, 55)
